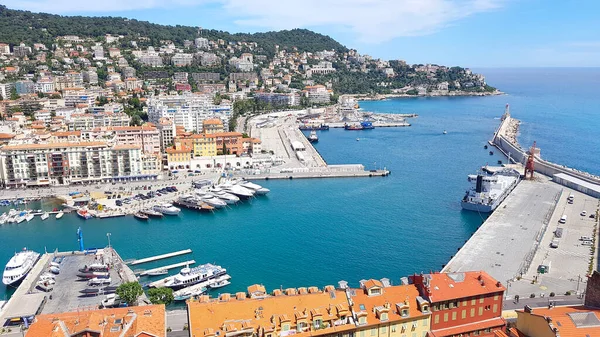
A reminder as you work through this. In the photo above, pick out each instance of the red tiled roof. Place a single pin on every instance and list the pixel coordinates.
(481, 325)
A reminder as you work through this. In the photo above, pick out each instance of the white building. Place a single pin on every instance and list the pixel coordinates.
(181, 60)
(89, 121)
(5, 89)
(201, 43)
(67, 163)
(187, 110)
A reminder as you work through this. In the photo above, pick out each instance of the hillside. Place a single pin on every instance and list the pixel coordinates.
(18, 26)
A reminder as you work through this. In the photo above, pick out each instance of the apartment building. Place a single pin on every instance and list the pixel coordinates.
(278, 99)
(213, 125)
(230, 142)
(465, 304)
(69, 163)
(188, 110)
(124, 322)
(166, 128)
(89, 121)
(318, 94)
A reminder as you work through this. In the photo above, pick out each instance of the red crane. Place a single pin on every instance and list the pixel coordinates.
(530, 165)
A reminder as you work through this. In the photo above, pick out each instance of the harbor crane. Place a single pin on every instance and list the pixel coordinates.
(530, 165)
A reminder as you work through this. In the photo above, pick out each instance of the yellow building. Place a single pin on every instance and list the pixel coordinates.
(569, 321)
(392, 311)
(178, 156)
(212, 126)
(205, 144)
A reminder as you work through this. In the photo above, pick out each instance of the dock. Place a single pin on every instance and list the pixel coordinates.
(171, 266)
(160, 257)
(375, 124)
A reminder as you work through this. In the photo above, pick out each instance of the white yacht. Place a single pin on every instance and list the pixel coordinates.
(19, 218)
(167, 209)
(259, 190)
(3, 218)
(18, 266)
(227, 197)
(211, 199)
(239, 191)
(45, 216)
(220, 282)
(29, 216)
(59, 214)
(190, 276)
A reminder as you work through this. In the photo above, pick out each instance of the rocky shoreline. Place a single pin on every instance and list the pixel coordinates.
(380, 97)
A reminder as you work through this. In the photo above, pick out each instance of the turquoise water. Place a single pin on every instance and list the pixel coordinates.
(317, 232)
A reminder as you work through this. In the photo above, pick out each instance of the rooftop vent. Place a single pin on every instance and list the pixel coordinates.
(584, 319)
(386, 282)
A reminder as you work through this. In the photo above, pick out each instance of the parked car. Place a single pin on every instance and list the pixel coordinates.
(119, 203)
(554, 244)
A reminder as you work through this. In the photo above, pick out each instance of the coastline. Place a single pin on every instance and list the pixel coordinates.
(380, 97)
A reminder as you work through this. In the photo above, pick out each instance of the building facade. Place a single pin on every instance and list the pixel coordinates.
(188, 111)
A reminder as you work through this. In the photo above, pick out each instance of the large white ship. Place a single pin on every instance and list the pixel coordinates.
(19, 266)
(488, 191)
(190, 276)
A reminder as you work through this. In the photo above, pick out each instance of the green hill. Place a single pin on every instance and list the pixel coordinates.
(18, 26)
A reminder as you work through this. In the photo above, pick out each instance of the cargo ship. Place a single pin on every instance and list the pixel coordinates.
(488, 191)
(366, 125)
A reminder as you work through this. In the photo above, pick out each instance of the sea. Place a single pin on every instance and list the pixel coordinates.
(320, 231)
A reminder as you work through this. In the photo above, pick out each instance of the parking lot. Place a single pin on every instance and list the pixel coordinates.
(569, 261)
(66, 295)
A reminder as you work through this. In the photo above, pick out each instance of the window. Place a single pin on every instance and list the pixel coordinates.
(463, 315)
(373, 332)
(383, 330)
(472, 312)
(451, 305)
(384, 316)
(480, 311)
(393, 328)
(362, 320)
(362, 333)
(495, 308)
(464, 303)
(445, 305)
(285, 327)
(495, 297)
(436, 320)
(454, 316)
(404, 313)
(446, 317)
(476, 333)
(317, 323)
(480, 299)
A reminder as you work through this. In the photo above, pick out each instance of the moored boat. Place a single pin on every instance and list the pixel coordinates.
(151, 213)
(313, 138)
(190, 276)
(227, 197)
(167, 209)
(29, 217)
(84, 214)
(19, 266)
(158, 272)
(140, 216)
(45, 216)
(59, 215)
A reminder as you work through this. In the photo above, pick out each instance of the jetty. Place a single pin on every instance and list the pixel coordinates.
(171, 266)
(160, 257)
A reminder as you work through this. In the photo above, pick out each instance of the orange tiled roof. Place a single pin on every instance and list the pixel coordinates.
(500, 333)
(393, 295)
(481, 325)
(142, 321)
(475, 283)
(213, 121)
(66, 133)
(7, 136)
(514, 332)
(227, 134)
(181, 149)
(210, 317)
(373, 283)
(564, 323)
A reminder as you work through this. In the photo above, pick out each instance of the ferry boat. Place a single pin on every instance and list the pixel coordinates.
(84, 214)
(19, 266)
(167, 209)
(190, 276)
(313, 138)
(488, 191)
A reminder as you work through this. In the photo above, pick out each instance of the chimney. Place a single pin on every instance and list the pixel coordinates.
(528, 309)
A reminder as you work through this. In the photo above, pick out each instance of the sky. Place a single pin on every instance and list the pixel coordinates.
(469, 33)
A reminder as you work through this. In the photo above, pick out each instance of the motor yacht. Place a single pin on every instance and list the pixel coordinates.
(19, 266)
(167, 209)
(211, 199)
(239, 191)
(190, 276)
(59, 215)
(227, 197)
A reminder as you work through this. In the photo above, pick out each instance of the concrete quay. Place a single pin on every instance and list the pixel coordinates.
(506, 243)
(316, 174)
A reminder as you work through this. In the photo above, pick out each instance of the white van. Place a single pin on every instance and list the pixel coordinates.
(563, 219)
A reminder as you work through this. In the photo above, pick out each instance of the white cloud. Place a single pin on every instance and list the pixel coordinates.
(372, 21)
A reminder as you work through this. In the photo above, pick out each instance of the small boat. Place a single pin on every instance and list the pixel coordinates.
(29, 217)
(151, 213)
(239, 191)
(204, 207)
(59, 215)
(90, 291)
(3, 218)
(188, 294)
(84, 214)
(55, 264)
(99, 281)
(485, 147)
(158, 272)
(491, 153)
(92, 275)
(19, 218)
(45, 216)
(45, 286)
(357, 139)
(140, 216)
(54, 270)
(313, 138)
(445, 132)
(108, 289)
(220, 282)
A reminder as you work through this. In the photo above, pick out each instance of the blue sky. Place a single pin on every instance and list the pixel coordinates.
(471, 33)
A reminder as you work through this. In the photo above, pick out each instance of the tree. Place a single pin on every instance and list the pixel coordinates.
(13, 94)
(130, 291)
(1, 98)
(161, 295)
